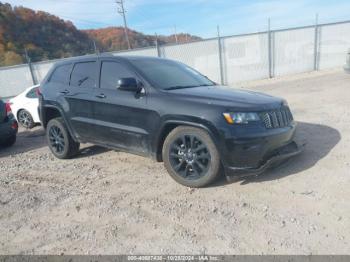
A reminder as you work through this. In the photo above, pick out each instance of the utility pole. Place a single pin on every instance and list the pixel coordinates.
(97, 52)
(121, 11)
(175, 34)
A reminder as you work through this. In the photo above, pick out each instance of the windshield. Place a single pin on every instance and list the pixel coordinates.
(168, 75)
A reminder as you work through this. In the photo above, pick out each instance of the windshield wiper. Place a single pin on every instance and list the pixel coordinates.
(182, 87)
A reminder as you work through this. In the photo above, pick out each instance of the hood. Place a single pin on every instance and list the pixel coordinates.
(229, 97)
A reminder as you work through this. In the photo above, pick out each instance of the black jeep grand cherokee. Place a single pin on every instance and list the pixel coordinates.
(167, 110)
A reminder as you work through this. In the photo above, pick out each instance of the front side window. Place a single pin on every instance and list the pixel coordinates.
(61, 74)
(111, 72)
(84, 75)
(166, 74)
(32, 93)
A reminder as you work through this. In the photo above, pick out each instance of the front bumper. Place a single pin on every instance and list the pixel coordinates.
(285, 152)
(250, 152)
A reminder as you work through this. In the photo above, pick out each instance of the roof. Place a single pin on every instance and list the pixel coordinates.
(108, 55)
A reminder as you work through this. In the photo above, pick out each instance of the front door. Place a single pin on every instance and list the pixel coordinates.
(122, 117)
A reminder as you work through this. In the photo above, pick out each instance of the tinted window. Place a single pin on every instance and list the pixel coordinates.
(32, 93)
(167, 74)
(111, 72)
(61, 74)
(84, 75)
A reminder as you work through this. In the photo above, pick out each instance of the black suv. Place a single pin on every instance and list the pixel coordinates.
(166, 110)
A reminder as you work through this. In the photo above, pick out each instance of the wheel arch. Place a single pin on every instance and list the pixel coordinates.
(170, 125)
(17, 112)
(50, 112)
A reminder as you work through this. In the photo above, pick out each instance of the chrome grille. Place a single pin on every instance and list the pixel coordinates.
(277, 118)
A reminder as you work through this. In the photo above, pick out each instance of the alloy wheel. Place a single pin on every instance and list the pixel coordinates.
(24, 118)
(56, 139)
(189, 157)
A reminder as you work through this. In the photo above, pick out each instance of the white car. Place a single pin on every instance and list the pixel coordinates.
(25, 107)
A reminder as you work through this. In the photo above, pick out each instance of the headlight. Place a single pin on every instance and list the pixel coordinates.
(241, 118)
(285, 103)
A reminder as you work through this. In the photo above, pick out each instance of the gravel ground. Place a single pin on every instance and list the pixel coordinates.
(108, 202)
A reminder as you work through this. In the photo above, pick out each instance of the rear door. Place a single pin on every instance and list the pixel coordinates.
(79, 97)
(122, 117)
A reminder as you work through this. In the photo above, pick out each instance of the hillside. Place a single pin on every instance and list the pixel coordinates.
(112, 38)
(43, 35)
(46, 36)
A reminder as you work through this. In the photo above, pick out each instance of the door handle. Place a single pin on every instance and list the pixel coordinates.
(101, 96)
(64, 92)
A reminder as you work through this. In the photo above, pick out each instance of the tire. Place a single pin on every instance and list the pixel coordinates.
(197, 167)
(59, 140)
(10, 141)
(25, 119)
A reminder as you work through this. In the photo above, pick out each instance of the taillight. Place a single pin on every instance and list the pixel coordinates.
(8, 108)
(37, 91)
(14, 125)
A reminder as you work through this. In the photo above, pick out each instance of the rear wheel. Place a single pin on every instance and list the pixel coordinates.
(190, 156)
(25, 119)
(60, 141)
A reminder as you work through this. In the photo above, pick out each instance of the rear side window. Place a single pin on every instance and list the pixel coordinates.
(111, 72)
(61, 74)
(84, 75)
(32, 93)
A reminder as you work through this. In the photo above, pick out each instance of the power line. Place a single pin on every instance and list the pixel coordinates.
(121, 11)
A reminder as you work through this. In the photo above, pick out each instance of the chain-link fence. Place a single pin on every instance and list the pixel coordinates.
(229, 60)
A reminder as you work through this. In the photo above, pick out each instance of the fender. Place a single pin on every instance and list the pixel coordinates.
(195, 122)
(70, 130)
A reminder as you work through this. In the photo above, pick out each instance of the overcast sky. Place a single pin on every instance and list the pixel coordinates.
(198, 17)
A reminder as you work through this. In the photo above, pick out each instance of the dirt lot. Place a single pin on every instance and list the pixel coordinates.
(107, 202)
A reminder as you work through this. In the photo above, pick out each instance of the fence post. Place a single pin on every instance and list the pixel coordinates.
(30, 67)
(270, 49)
(316, 40)
(157, 46)
(221, 67)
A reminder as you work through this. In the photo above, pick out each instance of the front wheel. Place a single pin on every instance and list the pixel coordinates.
(60, 141)
(191, 157)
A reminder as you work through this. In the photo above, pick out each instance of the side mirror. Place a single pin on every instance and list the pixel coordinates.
(128, 84)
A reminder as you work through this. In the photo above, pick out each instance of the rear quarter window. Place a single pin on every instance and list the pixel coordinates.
(61, 74)
(32, 93)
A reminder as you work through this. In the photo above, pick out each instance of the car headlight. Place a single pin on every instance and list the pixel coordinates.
(284, 103)
(241, 118)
